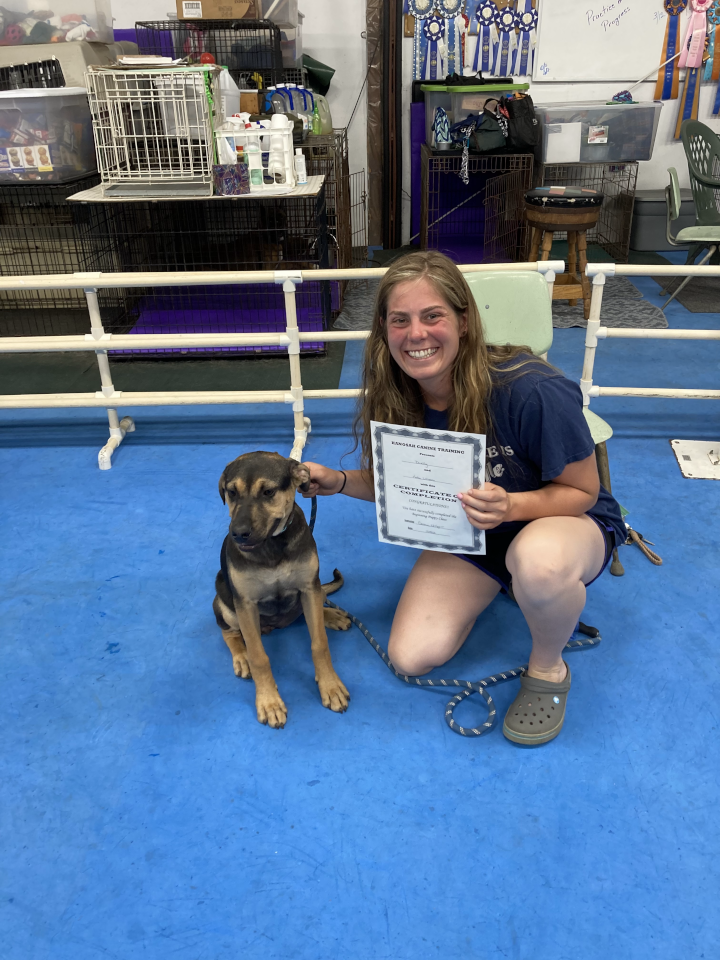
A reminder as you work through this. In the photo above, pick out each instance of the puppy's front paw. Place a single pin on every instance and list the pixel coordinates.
(241, 666)
(271, 709)
(333, 693)
(335, 620)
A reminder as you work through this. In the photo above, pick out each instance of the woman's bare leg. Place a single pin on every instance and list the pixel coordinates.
(551, 560)
(441, 600)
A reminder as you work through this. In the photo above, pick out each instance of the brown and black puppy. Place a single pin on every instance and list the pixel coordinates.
(269, 576)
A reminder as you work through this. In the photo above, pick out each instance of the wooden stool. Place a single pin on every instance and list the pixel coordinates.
(574, 210)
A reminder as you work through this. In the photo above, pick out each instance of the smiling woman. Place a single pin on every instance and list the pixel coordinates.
(550, 526)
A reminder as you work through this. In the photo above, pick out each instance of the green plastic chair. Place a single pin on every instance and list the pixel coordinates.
(515, 308)
(702, 152)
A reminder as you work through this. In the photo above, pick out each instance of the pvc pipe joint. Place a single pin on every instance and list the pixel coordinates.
(551, 266)
(600, 270)
(295, 397)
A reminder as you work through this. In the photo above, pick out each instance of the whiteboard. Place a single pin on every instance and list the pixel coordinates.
(600, 39)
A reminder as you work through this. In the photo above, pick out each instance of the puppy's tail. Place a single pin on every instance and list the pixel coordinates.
(335, 584)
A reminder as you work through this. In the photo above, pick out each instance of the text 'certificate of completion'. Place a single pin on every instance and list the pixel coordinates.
(418, 473)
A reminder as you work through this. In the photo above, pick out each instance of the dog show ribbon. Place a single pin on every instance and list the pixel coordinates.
(668, 81)
(507, 21)
(421, 10)
(451, 10)
(690, 100)
(486, 14)
(434, 31)
(528, 19)
(712, 67)
(693, 47)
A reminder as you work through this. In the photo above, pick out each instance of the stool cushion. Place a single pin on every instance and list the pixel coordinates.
(564, 197)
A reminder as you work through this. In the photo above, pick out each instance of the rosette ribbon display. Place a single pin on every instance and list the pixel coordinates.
(433, 31)
(668, 79)
(527, 25)
(694, 41)
(507, 21)
(486, 14)
(452, 10)
(691, 57)
(421, 10)
(713, 63)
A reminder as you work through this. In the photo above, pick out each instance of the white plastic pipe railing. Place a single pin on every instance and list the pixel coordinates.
(100, 342)
(598, 272)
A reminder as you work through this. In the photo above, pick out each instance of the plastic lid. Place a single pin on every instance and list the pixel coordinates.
(474, 88)
(298, 151)
(44, 92)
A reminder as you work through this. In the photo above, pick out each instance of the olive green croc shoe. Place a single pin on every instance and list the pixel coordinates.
(536, 714)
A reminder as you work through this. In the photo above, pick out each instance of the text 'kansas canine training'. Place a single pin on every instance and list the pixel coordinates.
(269, 576)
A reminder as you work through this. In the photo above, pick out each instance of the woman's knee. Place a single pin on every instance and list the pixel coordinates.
(414, 654)
(541, 574)
(406, 660)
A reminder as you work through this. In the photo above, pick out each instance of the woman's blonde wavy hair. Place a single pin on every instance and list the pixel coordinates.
(391, 396)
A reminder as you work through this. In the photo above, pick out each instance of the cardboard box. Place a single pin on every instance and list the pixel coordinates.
(249, 102)
(216, 10)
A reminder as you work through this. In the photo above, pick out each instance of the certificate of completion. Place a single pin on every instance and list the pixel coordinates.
(418, 473)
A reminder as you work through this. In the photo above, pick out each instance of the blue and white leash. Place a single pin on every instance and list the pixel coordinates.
(591, 638)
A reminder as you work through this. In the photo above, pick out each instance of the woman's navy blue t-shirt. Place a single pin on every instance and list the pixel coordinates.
(538, 428)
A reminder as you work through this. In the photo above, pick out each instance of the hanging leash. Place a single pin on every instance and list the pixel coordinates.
(639, 539)
(591, 638)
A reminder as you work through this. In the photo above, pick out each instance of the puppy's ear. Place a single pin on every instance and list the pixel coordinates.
(221, 487)
(301, 476)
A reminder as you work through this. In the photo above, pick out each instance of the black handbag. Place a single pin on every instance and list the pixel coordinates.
(488, 134)
(523, 127)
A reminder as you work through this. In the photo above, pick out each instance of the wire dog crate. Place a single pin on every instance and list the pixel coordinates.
(39, 235)
(483, 220)
(218, 233)
(327, 155)
(243, 46)
(34, 75)
(617, 182)
(153, 130)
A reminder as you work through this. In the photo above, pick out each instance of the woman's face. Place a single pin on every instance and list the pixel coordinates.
(423, 333)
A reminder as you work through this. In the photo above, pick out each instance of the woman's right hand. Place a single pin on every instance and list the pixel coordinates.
(324, 482)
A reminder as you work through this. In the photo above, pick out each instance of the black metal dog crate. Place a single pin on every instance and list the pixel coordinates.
(479, 221)
(36, 74)
(243, 46)
(219, 233)
(41, 233)
(617, 182)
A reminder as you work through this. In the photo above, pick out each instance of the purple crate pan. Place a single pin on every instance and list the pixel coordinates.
(222, 310)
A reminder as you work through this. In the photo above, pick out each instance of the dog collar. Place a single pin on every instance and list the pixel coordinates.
(278, 532)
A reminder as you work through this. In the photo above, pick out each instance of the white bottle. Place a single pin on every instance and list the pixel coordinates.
(300, 169)
(254, 160)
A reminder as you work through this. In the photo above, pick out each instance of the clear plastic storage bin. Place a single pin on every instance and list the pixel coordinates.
(282, 12)
(61, 21)
(598, 131)
(45, 134)
(459, 102)
(291, 44)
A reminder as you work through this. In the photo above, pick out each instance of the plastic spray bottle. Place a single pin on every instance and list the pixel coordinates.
(300, 168)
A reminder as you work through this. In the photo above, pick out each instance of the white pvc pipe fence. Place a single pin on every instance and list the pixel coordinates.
(595, 332)
(100, 342)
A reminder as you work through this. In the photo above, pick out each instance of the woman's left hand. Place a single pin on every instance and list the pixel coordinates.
(486, 508)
